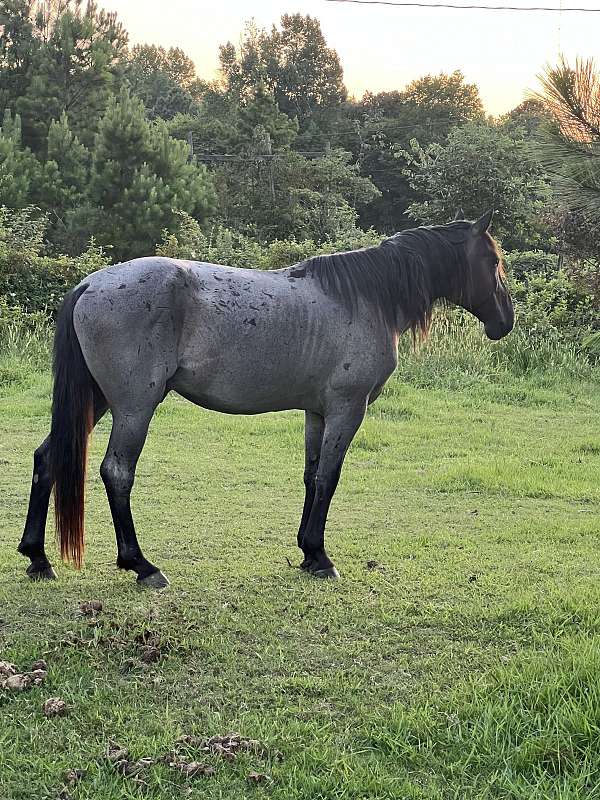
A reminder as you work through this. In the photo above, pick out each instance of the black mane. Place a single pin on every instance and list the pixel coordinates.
(402, 277)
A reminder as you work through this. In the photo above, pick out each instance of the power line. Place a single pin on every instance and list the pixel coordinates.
(408, 4)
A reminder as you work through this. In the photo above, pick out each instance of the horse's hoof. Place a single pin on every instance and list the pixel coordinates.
(41, 574)
(156, 580)
(330, 572)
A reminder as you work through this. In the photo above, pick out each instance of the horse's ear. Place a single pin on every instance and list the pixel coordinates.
(483, 223)
(460, 214)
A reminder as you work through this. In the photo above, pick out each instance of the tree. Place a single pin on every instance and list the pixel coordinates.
(64, 177)
(140, 178)
(294, 63)
(325, 194)
(215, 126)
(74, 68)
(293, 196)
(434, 104)
(569, 148)
(524, 121)
(19, 170)
(18, 48)
(261, 111)
(479, 167)
(427, 110)
(165, 80)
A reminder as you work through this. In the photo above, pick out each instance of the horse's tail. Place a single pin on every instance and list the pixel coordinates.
(72, 422)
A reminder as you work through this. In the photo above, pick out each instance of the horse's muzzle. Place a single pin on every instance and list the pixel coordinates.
(502, 325)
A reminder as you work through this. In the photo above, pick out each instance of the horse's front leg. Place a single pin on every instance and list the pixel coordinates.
(340, 428)
(313, 439)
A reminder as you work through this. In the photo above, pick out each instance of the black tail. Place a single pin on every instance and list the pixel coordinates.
(72, 421)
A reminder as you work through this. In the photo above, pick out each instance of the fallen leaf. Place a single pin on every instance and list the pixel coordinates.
(90, 607)
(257, 777)
(116, 753)
(18, 682)
(55, 707)
(150, 655)
(73, 776)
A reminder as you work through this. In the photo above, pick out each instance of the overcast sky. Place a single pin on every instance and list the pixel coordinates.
(381, 47)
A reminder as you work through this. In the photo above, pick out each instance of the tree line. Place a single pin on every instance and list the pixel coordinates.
(126, 146)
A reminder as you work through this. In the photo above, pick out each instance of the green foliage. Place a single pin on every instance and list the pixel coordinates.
(294, 62)
(294, 196)
(569, 147)
(19, 170)
(30, 280)
(25, 339)
(165, 80)
(479, 167)
(434, 104)
(426, 110)
(73, 67)
(553, 299)
(522, 263)
(64, 179)
(553, 302)
(140, 177)
(224, 246)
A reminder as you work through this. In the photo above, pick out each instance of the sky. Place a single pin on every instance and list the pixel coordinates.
(382, 48)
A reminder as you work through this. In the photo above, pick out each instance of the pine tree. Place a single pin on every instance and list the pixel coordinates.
(19, 170)
(76, 65)
(64, 177)
(261, 110)
(140, 178)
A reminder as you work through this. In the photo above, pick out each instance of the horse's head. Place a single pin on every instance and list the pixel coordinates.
(485, 294)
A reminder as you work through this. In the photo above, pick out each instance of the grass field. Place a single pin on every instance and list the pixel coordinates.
(457, 657)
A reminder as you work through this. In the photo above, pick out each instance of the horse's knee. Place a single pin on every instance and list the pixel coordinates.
(117, 476)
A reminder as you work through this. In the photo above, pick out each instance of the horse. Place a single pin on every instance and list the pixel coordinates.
(320, 336)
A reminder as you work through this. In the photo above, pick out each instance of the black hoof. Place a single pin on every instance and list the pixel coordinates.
(44, 573)
(328, 572)
(156, 580)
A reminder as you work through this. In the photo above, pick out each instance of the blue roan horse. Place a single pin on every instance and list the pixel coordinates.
(320, 336)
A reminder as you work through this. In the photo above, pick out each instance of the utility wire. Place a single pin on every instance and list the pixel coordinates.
(414, 4)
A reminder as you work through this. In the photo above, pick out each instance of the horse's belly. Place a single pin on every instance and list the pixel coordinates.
(240, 393)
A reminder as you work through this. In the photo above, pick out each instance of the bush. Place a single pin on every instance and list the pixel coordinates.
(224, 246)
(29, 279)
(521, 264)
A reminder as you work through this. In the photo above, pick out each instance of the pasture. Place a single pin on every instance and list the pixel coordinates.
(457, 657)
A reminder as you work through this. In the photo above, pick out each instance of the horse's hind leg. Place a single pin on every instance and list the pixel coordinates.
(32, 542)
(118, 473)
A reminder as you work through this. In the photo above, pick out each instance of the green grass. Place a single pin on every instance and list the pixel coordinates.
(464, 663)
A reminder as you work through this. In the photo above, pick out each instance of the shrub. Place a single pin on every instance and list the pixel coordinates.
(28, 278)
